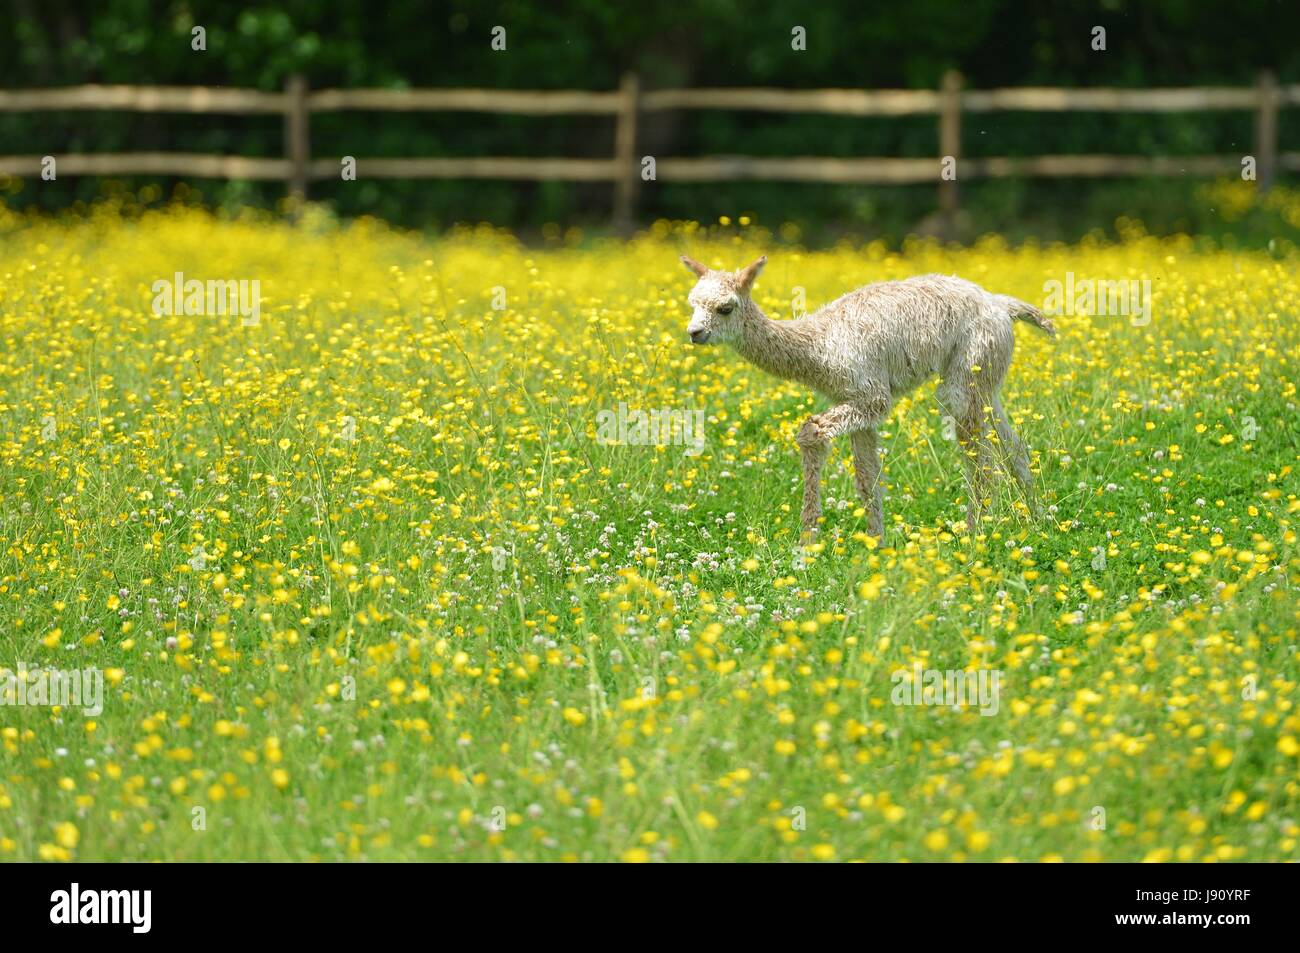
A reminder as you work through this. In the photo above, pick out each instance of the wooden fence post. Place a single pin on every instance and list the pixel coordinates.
(1266, 130)
(297, 137)
(627, 171)
(949, 146)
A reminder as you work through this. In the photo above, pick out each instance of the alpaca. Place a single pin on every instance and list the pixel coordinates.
(868, 348)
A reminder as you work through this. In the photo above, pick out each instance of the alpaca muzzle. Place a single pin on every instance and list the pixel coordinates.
(698, 329)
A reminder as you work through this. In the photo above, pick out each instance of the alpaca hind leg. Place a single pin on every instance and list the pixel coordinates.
(977, 458)
(961, 398)
(1014, 455)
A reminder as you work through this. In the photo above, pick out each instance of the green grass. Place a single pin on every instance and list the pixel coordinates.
(651, 667)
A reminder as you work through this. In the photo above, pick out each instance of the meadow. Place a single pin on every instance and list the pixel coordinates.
(365, 582)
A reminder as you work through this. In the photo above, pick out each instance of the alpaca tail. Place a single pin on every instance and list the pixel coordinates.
(1024, 311)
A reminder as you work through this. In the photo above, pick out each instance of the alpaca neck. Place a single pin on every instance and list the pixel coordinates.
(779, 347)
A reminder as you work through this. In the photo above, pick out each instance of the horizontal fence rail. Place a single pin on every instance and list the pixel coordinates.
(145, 99)
(623, 170)
(538, 170)
(196, 164)
(523, 102)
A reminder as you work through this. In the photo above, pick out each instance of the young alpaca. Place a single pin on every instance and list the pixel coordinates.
(868, 348)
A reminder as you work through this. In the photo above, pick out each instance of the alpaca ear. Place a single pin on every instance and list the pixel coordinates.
(750, 272)
(699, 270)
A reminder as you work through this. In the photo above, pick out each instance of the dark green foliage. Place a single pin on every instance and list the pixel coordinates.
(588, 44)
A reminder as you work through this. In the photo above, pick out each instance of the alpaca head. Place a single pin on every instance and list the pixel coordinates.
(720, 300)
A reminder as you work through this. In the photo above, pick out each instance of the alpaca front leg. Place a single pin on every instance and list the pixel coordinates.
(866, 478)
(815, 446)
(814, 439)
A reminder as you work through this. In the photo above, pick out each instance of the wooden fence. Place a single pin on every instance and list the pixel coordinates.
(623, 170)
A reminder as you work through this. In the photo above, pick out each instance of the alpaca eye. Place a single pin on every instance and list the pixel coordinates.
(726, 309)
